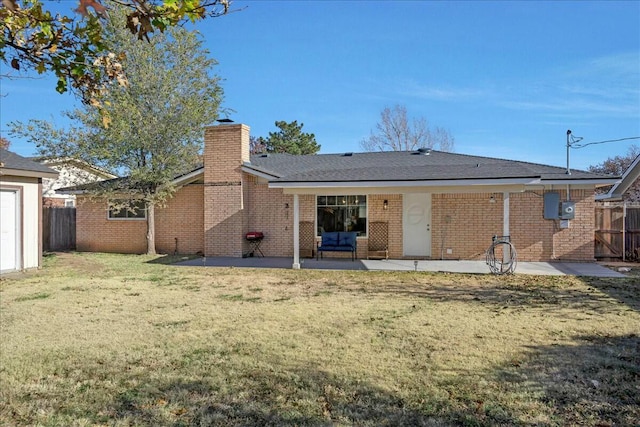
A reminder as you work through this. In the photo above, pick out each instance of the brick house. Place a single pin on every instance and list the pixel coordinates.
(421, 205)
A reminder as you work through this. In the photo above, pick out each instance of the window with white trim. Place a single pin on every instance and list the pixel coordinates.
(127, 209)
(342, 213)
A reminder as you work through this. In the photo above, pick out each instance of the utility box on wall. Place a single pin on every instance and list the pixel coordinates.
(551, 205)
(567, 210)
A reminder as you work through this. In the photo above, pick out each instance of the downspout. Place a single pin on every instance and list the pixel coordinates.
(296, 232)
(505, 226)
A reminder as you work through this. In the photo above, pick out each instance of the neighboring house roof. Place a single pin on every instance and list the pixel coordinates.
(125, 183)
(71, 172)
(629, 178)
(418, 166)
(55, 162)
(16, 165)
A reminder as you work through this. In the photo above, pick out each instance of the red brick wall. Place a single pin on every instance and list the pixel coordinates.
(473, 220)
(181, 218)
(538, 239)
(52, 202)
(271, 212)
(96, 233)
(464, 223)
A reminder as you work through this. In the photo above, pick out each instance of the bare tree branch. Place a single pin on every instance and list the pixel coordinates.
(394, 133)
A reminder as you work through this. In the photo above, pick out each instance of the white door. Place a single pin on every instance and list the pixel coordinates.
(9, 247)
(416, 224)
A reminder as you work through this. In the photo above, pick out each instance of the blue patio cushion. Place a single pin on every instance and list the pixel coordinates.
(330, 239)
(338, 241)
(347, 239)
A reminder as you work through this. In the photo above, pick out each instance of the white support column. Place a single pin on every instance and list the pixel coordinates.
(505, 224)
(624, 229)
(296, 232)
(505, 214)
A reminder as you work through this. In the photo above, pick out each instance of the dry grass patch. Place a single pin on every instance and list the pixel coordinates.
(97, 339)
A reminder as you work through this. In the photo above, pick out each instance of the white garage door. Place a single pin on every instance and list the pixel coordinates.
(9, 246)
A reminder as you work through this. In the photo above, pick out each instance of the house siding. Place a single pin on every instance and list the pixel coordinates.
(182, 219)
(96, 233)
(271, 212)
(179, 225)
(465, 224)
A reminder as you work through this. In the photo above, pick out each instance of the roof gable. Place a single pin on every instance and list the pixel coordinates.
(630, 177)
(61, 163)
(14, 164)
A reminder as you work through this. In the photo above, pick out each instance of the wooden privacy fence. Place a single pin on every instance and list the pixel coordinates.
(618, 232)
(58, 229)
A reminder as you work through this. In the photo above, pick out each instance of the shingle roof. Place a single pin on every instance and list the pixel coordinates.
(405, 166)
(118, 184)
(387, 166)
(10, 160)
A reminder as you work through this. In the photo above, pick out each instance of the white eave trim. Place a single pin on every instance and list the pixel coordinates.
(430, 183)
(259, 173)
(596, 181)
(624, 183)
(608, 196)
(188, 178)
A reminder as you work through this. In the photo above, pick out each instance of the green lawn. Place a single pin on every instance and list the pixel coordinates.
(117, 340)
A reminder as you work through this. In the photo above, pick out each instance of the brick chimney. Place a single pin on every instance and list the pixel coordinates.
(226, 147)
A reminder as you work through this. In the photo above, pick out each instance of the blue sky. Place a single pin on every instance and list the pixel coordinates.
(506, 78)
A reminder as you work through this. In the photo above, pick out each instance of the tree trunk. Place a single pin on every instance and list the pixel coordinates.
(151, 228)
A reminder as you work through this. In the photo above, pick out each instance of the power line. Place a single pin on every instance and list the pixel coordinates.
(576, 146)
(572, 142)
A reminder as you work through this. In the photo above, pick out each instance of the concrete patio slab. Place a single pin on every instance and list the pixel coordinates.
(469, 267)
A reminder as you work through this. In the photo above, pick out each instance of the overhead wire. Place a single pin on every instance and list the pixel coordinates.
(576, 146)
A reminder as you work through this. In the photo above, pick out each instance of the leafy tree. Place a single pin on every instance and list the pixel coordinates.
(73, 47)
(394, 132)
(289, 139)
(150, 130)
(618, 164)
(4, 143)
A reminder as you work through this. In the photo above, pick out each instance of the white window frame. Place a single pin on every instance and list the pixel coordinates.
(346, 196)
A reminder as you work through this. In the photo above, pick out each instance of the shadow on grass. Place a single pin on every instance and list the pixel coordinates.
(595, 298)
(264, 399)
(301, 397)
(624, 291)
(596, 382)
